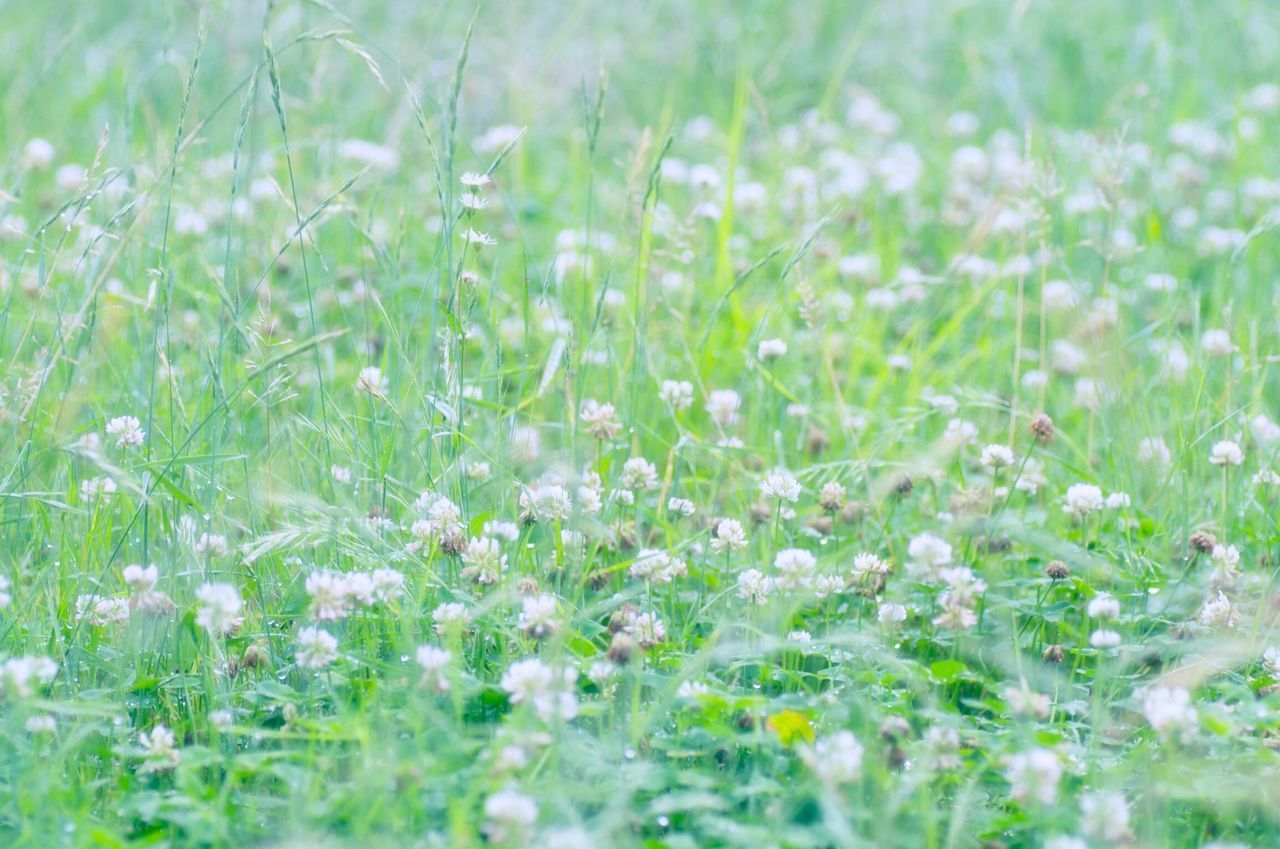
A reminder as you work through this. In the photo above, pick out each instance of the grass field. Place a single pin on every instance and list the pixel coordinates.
(666, 425)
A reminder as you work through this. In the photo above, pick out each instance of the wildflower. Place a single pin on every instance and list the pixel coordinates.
(722, 406)
(928, 551)
(539, 615)
(509, 814)
(475, 237)
(729, 536)
(316, 648)
(330, 599)
(38, 154)
(1219, 612)
(647, 629)
(219, 612)
(680, 506)
(639, 473)
(960, 432)
(101, 612)
(1264, 429)
(836, 759)
(1104, 638)
(795, 566)
(549, 691)
(1216, 342)
(889, 613)
(160, 752)
(1023, 701)
(1225, 453)
(771, 349)
(41, 724)
(754, 586)
(450, 617)
(1168, 710)
(1118, 501)
(1226, 564)
(434, 661)
(473, 180)
(20, 676)
(211, 544)
(1042, 428)
(1103, 606)
(600, 419)
(867, 564)
(1105, 814)
(1034, 775)
(832, 495)
(127, 430)
(1083, 499)
(780, 485)
(371, 381)
(997, 456)
(142, 582)
(93, 488)
(483, 561)
(678, 394)
(1153, 450)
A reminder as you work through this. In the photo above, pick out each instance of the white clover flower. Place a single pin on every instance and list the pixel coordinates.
(889, 613)
(100, 487)
(1219, 612)
(960, 432)
(722, 406)
(1168, 711)
(1153, 450)
(548, 690)
(211, 544)
(836, 759)
(928, 551)
(997, 456)
(600, 419)
(754, 586)
(20, 676)
(450, 617)
(771, 349)
(483, 561)
(1023, 701)
(680, 506)
(127, 430)
(539, 615)
(1103, 638)
(1118, 501)
(219, 612)
(1217, 342)
(1105, 814)
(509, 814)
(160, 750)
(330, 600)
(1103, 606)
(371, 381)
(639, 473)
(678, 394)
(316, 648)
(1226, 453)
(1083, 499)
(1034, 775)
(1264, 429)
(729, 536)
(782, 486)
(434, 661)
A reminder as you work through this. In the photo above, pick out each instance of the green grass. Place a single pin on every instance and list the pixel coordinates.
(672, 184)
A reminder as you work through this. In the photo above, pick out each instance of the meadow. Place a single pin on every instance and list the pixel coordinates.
(659, 425)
